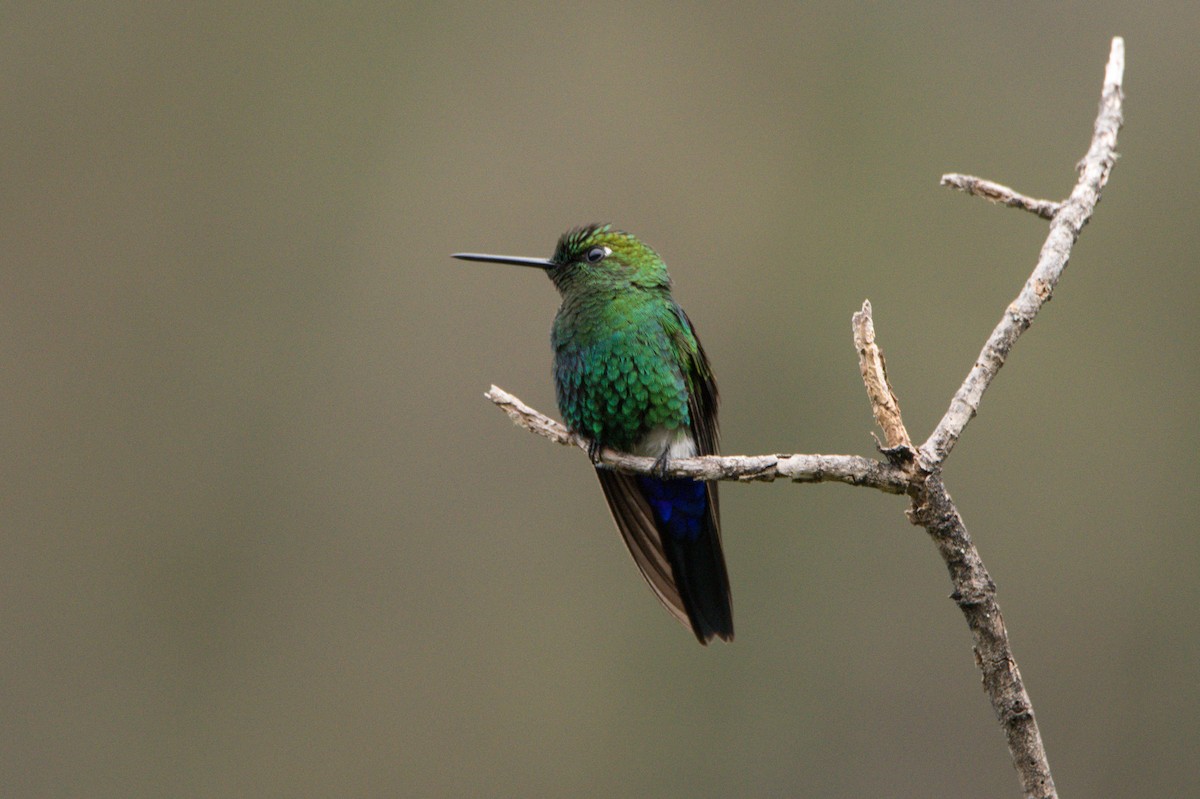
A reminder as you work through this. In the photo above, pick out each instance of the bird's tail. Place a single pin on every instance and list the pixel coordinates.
(672, 528)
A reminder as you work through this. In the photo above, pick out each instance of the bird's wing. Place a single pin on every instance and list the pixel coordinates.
(701, 567)
(635, 520)
(702, 387)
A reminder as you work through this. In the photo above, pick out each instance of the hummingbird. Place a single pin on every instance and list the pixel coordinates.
(630, 374)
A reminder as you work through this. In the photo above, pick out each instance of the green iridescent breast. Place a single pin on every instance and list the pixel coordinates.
(617, 369)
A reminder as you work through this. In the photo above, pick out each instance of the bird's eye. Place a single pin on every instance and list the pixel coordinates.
(597, 254)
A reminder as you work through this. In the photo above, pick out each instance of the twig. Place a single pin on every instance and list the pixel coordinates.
(920, 477)
(884, 404)
(851, 469)
(1002, 195)
(1064, 230)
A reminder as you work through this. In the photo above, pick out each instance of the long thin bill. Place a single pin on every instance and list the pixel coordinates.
(540, 263)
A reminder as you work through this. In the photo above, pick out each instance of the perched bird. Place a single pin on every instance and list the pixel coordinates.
(630, 374)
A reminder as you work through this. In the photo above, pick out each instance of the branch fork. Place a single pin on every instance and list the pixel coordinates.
(917, 471)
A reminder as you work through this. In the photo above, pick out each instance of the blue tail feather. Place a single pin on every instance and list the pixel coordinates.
(680, 504)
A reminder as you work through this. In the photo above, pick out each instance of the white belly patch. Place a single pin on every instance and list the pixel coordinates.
(677, 443)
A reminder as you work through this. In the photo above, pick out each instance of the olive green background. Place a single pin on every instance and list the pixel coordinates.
(262, 536)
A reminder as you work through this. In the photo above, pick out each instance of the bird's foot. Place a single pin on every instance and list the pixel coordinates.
(661, 464)
(594, 447)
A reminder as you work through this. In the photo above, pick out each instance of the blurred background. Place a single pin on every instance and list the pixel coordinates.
(263, 536)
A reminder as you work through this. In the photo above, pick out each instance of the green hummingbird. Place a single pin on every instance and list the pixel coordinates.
(630, 374)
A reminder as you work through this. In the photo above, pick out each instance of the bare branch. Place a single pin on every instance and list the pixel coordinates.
(975, 594)
(1064, 230)
(921, 477)
(933, 508)
(1001, 195)
(884, 404)
(850, 469)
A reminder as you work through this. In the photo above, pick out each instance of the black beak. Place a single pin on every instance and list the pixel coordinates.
(540, 263)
